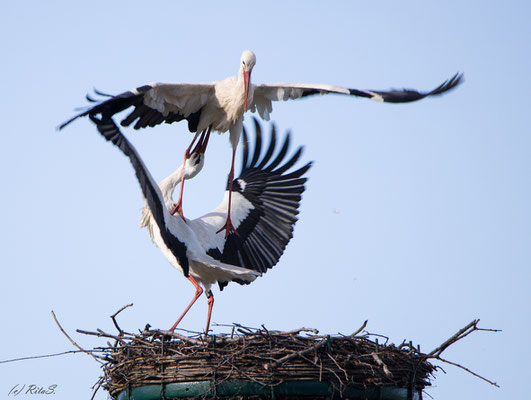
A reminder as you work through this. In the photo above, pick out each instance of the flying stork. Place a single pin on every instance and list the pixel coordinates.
(220, 105)
(265, 204)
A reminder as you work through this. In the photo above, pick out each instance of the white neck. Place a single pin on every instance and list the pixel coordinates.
(168, 184)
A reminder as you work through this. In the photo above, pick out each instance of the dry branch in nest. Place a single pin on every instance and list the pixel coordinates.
(265, 357)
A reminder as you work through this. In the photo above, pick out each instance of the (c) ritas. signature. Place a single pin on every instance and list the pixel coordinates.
(31, 389)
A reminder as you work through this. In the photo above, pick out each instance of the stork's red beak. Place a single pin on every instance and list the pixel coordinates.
(203, 142)
(246, 79)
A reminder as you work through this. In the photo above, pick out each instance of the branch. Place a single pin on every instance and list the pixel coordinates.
(467, 330)
(297, 331)
(177, 336)
(100, 333)
(99, 383)
(360, 328)
(471, 327)
(297, 354)
(113, 317)
(50, 355)
(97, 358)
(469, 371)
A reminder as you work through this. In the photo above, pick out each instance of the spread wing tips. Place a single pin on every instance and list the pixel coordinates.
(449, 84)
(409, 95)
(282, 153)
(92, 109)
(298, 173)
(60, 127)
(291, 162)
(273, 166)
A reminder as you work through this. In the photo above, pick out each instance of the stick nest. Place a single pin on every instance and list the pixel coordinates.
(262, 356)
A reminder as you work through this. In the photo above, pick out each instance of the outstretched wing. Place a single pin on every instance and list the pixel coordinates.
(150, 189)
(265, 203)
(265, 94)
(153, 104)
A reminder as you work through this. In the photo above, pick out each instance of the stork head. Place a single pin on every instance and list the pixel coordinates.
(248, 61)
(193, 165)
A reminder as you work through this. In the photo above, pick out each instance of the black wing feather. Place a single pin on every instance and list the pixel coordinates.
(143, 115)
(111, 132)
(409, 95)
(280, 155)
(272, 144)
(245, 150)
(267, 229)
(257, 144)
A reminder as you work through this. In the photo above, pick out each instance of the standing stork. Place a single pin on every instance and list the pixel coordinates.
(220, 105)
(266, 198)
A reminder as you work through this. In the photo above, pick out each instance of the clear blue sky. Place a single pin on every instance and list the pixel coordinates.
(416, 217)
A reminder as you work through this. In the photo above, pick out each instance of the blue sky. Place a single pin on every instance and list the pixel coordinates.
(416, 217)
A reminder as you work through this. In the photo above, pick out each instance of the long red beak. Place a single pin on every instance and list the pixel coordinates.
(246, 80)
(203, 142)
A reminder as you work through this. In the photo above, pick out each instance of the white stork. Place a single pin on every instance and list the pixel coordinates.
(265, 207)
(220, 105)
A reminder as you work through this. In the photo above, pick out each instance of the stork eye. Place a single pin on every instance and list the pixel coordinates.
(198, 160)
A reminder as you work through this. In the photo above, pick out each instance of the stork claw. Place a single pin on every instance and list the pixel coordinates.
(178, 208)
(228, 227)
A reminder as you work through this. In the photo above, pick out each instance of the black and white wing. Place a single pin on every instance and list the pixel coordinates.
(152, 105)
(267, 93)
(150, 189)
(265, 205)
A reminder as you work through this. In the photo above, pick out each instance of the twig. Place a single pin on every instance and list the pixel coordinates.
(297, 331)
(467, 330)
(113, 317)
(97, 358)
(265, 329)
(100, 333)
(360, 328)
(471, 327)
(180, 337)
(50, 355)
(99, 383)
(381, 364)
(338, 366)
(242, 328)
(469, 371)
(297, 354)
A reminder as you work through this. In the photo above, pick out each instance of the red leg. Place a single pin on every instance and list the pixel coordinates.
(198, 292)
(228, 223)
(210, 305)
(179, 205)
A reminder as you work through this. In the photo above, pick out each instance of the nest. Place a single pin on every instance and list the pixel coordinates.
(268, 358)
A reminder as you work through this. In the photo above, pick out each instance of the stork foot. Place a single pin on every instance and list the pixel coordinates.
(178, 208)
(228, 227)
